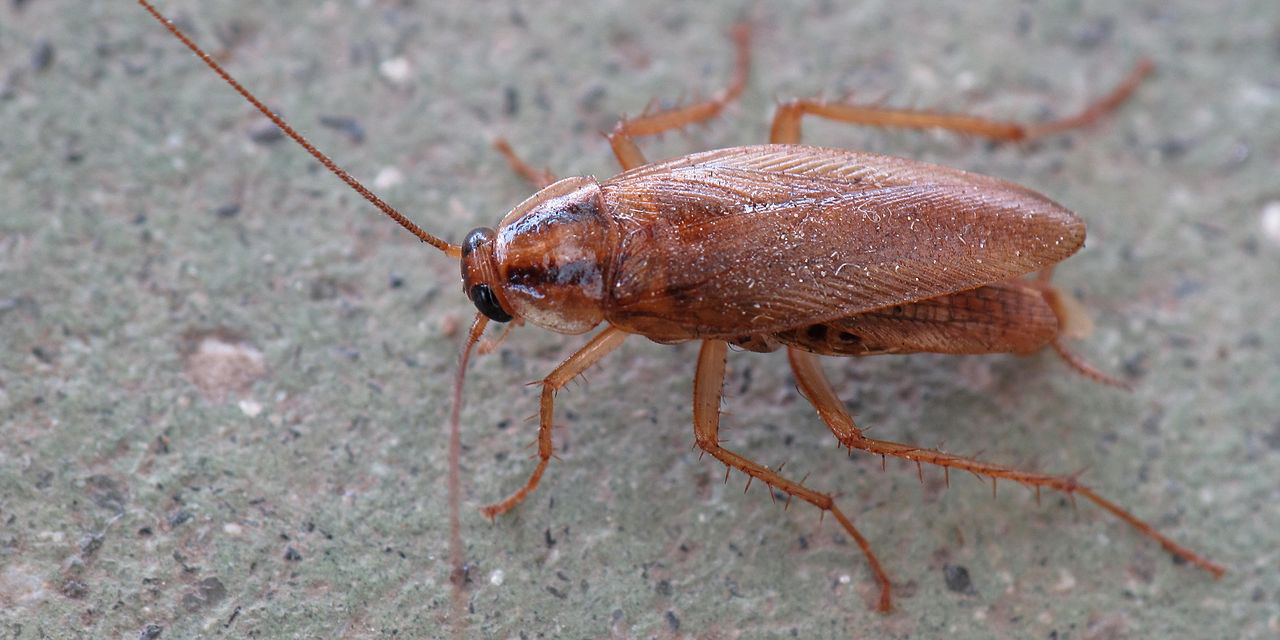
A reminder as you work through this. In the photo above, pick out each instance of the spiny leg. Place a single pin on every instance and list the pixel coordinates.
(786, 123)
(539, 177)
(601, 345)
(622, 137)
(813, 383)
(707, 386)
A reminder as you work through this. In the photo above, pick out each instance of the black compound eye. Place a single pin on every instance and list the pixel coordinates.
(485, 301)
(478, 236)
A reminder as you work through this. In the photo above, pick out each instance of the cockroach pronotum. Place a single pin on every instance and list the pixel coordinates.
(819, 251)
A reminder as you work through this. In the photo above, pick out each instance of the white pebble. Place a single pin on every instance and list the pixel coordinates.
(396, 70)
(497, 577)
(1066, 581)
(1271, 221)
(251, 408)
(388, 177)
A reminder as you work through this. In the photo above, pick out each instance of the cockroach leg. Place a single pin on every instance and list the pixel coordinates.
(538, 177)
(597, 348)
(1087, 370)
(486, 347)
(786, 122)
(622, 139)
(813, 383)
(707, 386)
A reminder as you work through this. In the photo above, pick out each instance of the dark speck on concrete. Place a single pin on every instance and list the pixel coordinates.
(1272, 438)
(229, 210)
(209, 592)
(90, 544)
(324, 288)
(105, 493)
(957, 579)
(345, 124)
(151, 632)
(265, 132)
(664, 587)
(179, 517)
(1095, 32)
(73, 588)
(292, 554)
(592, 98)
(8, 85)
(42, 56)
(672, 621)
(510, 101)
(1173, 148)
(1022, 26)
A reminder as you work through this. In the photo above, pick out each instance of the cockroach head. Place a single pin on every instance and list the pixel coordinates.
(478, 274)
(545, 262)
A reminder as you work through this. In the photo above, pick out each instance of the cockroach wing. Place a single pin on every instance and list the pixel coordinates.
(1004, 317)
(767, 238)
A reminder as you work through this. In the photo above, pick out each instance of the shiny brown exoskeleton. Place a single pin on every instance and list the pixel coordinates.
(818, 251)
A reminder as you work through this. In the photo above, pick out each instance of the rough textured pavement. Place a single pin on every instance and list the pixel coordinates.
(223, 377)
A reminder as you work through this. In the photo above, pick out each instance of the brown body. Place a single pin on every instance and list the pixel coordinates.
(820, 251)
(835, 252)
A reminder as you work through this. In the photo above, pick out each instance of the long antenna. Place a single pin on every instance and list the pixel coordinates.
(452, 250)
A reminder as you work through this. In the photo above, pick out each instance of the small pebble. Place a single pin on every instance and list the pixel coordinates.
(1271, 221)
(388, 177)
(397, 70)
(1066, 581)
(251, 408)
(957, 579)
(345, 124)
(265, 131)
(42, 56)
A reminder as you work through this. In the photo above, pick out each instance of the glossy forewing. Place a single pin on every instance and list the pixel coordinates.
(773, 237)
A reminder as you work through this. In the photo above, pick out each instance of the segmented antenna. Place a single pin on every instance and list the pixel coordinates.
(451, 250)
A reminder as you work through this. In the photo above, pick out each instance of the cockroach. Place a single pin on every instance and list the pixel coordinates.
(813, 250)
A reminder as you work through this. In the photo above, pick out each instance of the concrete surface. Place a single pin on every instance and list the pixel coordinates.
(223, 377)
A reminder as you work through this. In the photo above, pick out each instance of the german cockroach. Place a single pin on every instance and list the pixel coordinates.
(818, 251)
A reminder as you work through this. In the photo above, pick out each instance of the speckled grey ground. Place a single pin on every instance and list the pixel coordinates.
(222, 377)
